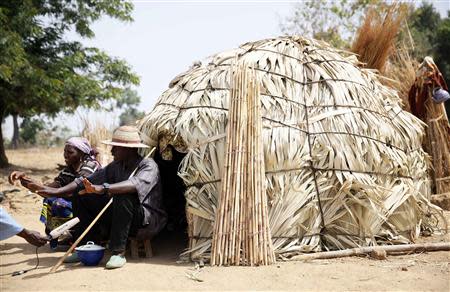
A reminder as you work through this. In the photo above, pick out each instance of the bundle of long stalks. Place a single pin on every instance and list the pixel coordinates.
(95, 133)
(344, 165)
(375, 40)
(437, 141)
(377, 46)
(241, 232)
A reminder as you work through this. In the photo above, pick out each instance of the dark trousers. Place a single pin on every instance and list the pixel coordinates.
(122, 219)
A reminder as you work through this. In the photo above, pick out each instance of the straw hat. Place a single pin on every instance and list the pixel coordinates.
(126, 136)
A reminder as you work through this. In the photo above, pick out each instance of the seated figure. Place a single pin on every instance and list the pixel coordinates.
(134, 184)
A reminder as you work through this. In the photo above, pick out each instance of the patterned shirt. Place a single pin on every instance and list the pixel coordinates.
(68, 174)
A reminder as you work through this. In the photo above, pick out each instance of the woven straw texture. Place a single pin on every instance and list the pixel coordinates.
(343, 162)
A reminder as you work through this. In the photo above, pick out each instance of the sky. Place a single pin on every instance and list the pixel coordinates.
(166, 37)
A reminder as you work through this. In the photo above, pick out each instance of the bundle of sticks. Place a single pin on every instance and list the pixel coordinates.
(241, 231)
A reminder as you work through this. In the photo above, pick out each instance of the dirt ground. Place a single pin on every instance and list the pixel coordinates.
(426, 271)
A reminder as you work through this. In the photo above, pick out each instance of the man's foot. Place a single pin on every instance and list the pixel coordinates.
(73, 258)
(116, 261)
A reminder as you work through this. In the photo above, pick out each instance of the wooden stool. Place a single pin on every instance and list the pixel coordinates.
(144, 246)
(141, 243)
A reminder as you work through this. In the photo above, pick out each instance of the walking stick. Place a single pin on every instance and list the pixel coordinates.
(61, 260)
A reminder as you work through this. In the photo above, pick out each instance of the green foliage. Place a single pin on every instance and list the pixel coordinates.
(129, 98)
(129, 102)
(129, 116)
(431, 35)
(442, 49)
(40, 131)
(42, 72)
(29, 129)
(423, 23)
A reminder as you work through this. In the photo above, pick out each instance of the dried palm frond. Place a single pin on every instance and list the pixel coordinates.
(344, 166)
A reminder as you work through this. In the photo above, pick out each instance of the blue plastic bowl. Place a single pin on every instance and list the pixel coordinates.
(90, 254)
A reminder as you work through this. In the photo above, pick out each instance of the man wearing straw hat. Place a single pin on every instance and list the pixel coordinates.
(135, 186)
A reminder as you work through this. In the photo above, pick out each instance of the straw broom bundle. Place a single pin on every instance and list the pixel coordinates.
(375, 40)
(375, 43)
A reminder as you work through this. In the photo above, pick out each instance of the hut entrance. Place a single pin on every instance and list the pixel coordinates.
(173, 239)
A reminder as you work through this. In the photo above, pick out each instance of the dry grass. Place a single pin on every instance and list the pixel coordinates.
(401, 73)
(96, 132)
(38, 163)
(48, 159)
(376, 39)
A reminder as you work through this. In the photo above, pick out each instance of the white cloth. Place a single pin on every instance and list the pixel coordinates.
(8, 226)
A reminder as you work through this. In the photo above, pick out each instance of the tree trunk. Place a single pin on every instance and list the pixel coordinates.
(15, 137)
(3, 158)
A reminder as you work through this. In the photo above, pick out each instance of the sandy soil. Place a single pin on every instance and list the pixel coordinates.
(426, 271)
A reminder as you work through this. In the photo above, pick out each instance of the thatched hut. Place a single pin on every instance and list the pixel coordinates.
(344, 163)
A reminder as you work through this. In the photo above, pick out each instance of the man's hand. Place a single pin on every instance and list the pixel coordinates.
(89, 188)
(33, 237)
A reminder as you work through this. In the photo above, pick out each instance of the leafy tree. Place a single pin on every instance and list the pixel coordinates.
(442, 48)
(43, 72)
(41, 131)
(30, 128)
(130, 116)
(431, 36)
(129, 102)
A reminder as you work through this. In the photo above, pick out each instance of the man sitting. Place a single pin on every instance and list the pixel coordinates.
(135, 186)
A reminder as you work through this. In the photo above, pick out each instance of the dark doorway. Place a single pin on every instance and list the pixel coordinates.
(173, 240)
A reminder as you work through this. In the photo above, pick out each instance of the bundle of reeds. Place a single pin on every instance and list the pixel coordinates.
(378, 48)
(375, 40)
(96, 132)
(344, 165)
(437, 142)
(241, 231)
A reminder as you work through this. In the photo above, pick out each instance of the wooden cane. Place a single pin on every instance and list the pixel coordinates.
(61, 260)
